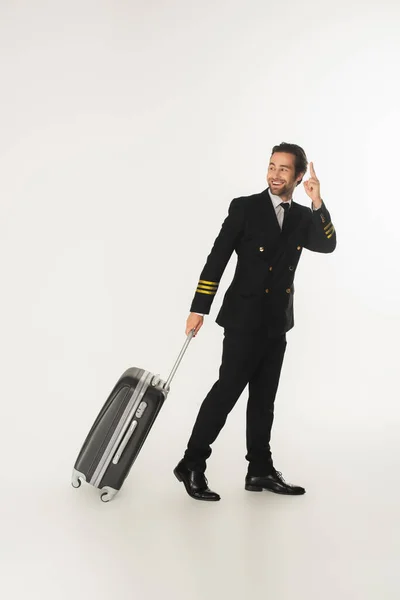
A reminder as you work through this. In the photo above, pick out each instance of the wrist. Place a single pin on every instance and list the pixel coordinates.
(317, 203)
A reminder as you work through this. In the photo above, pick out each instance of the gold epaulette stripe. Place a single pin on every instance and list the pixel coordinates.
(213, 283)
(205, 292)
(330, 230)
(329, 224)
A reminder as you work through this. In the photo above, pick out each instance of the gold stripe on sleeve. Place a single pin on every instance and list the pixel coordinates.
(206, 287)
(213, 283)
(199, 291)
(330, 235)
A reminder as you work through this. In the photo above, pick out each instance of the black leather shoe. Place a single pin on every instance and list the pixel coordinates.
(272, 482)
(195, 483)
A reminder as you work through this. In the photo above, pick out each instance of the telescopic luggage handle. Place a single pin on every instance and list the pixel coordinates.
(178, 360)
(156, 379)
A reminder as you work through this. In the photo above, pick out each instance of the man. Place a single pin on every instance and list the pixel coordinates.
(268, 231)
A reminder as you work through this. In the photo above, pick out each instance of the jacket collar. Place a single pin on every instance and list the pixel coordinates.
(269, 217)
(276, 200)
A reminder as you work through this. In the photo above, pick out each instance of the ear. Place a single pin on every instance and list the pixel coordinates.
(300, 178)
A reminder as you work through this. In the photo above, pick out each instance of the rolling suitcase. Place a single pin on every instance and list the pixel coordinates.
(121, 428)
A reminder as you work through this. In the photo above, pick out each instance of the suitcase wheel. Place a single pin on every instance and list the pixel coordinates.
(76, 479)
(107, 494)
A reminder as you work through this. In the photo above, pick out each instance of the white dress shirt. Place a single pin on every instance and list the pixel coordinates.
(279, 210)
(280, 213)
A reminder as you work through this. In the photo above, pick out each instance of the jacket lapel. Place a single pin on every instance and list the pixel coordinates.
(291, 220)
(270, 221)
(290, 224)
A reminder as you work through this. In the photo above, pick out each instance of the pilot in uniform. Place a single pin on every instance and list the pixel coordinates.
(268, 236)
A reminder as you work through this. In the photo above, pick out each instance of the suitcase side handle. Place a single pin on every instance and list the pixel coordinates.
(178, 360)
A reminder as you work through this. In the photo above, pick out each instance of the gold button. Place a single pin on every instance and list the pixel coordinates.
(298, 247)
(266, 291)
(270, 268)
(261, 248)
(288, 291)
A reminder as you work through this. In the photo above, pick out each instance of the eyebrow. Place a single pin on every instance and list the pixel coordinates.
(286, 166)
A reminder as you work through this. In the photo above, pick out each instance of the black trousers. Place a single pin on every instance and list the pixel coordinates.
(247, 358)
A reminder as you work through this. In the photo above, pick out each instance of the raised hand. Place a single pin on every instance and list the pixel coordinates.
(312, 187)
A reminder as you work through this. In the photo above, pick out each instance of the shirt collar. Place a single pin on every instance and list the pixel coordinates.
(276, 200)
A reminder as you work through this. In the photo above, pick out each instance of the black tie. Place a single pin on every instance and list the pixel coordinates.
(286, 207)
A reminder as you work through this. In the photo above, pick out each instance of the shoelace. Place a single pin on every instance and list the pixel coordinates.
(279, 474)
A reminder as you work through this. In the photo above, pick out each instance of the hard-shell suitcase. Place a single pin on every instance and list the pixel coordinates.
(121, 428)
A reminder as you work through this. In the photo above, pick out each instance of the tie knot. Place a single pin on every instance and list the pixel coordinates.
(285, 206)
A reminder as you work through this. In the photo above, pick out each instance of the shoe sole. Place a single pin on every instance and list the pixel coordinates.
(253, 488)
(259, 488)
(179, 478)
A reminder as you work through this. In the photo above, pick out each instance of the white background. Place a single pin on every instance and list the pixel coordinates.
(126, 128)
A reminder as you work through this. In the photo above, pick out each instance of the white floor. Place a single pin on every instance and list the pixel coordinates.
(339, 541)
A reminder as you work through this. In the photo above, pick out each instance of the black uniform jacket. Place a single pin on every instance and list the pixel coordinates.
(261, 292)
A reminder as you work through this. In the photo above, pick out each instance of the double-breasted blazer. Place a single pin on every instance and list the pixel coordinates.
(262, 290)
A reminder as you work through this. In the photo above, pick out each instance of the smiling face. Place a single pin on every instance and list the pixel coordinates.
(281, 176)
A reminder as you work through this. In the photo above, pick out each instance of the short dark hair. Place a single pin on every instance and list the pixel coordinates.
(301, 162)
